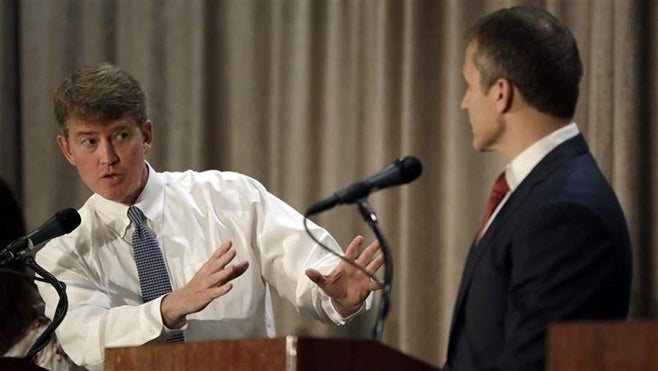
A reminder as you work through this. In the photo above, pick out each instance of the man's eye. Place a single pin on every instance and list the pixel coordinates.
(88, 142)
(122, 135)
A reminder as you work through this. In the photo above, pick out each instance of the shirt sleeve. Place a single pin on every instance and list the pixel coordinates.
(92, 323)
(287, 250)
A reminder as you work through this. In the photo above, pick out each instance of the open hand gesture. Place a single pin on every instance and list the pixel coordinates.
(347, 285)
(211, 281)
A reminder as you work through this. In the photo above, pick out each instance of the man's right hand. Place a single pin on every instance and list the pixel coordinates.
(211, 281)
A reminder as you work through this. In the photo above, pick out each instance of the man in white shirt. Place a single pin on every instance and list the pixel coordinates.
(225, 240)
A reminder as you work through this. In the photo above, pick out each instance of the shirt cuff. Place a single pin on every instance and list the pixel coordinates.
(166, 329)
(336, 317)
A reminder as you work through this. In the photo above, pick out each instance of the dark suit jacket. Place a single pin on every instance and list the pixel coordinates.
(558, 250)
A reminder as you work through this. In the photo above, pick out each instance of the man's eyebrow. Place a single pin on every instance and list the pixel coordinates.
(120, 126)
(84, 133)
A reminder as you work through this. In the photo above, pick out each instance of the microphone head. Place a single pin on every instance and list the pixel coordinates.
(410, 168)
(63, 222)
(69, 219)
(403, 170)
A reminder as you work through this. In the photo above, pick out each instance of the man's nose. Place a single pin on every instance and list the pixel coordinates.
(108, 153)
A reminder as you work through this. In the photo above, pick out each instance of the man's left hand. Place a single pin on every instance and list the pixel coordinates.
(348, 286)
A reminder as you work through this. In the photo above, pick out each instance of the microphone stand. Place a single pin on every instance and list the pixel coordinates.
(60, 311)
(371, 218)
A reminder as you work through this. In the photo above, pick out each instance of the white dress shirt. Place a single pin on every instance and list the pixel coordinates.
(192, 214)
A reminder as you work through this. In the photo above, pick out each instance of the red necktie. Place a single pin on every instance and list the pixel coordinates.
(499, 190)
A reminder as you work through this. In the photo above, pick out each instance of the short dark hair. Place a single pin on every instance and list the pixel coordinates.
(99, 92)
(535, 52)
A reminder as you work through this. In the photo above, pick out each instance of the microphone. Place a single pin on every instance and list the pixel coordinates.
(63, 222)
(401, 171)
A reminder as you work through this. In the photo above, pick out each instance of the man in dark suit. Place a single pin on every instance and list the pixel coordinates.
(556, 247)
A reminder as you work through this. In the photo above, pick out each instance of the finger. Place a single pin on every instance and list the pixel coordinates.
(375, 285)
(222, 249)
(375, 263)
(222, 261)
(218, 291)
(368, 253)
(353, 249)
(229, 273)
(315, 276)
(217, 262)
(214, 262)
(236, 270)
(222, 256)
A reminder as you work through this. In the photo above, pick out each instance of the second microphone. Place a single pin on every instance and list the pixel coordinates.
(401, 171)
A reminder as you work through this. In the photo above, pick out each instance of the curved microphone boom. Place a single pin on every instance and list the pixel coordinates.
(401, 171)
(63, 222)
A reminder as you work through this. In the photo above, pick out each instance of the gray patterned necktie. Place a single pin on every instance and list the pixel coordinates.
(151, 269)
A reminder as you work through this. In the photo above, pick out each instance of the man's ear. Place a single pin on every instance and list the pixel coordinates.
(66, 149)
(147, 135)
(504, 95)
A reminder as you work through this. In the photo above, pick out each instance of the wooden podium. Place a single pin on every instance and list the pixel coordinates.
(603, 346)
(288, 353)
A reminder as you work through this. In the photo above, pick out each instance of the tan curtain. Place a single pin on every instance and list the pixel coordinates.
(309, 96)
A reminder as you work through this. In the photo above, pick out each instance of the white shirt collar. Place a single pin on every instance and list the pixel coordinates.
(523, 164)
(150, 201)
